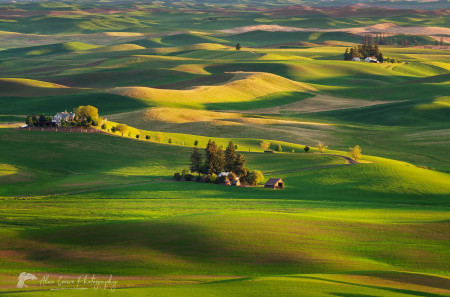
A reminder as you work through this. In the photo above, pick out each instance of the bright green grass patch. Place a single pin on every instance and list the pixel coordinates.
(244, 87)
(387, 181)
(262, 38)
(267, 101)
(6, 169)
(59, 48)
(11, 118)
(191, 38)
(296, 243)
(438, 103)
(107, 103)
(321, 285)
(407, 113)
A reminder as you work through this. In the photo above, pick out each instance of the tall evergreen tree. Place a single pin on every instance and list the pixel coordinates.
(346, 55)
(238, 47)
(219, 164)
(196, 161)
(376, 50)
(210, 150)
(42, 119)
(230, 156)
(212, 162)
(239, 167)
(352, 54)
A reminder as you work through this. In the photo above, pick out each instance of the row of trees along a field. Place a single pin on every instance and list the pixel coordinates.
(381, 39)
(215, 160)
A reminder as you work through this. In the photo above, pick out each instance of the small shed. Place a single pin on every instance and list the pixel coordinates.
(371, 60)
(274, 183)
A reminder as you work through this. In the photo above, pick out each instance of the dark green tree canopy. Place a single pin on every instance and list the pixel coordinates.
(230, 156)
(239, 167)
(196, 161)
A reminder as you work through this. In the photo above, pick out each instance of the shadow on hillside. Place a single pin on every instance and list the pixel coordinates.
(185, 241)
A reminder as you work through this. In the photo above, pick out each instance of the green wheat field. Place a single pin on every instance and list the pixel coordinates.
(105, 205)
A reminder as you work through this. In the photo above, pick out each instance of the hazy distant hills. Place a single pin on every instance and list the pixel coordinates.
(422, 4)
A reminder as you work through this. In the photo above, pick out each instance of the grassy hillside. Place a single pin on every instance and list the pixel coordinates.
(106, 204)
(243, 87)
(50, 49)
(311, 221)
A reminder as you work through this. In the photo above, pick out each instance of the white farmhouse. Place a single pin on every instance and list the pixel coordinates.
(66, 116)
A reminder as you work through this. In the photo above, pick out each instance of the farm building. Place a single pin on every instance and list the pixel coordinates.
(66, 116)
(356, 59)
(371, 60)
(274, 183)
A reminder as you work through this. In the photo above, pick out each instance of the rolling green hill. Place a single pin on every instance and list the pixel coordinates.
(75, 204)
(51, 49)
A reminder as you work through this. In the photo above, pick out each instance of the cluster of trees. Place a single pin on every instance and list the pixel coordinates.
(121, 128)
(363, 51)
(42, 121)
(87, 114)
(216, 160)
(381, 39)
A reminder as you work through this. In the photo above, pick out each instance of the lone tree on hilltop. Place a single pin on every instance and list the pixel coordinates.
(196, 161)
(321, 147)
(306, 149)
(230, 156)
(238, 47)
(355, 152)
(265, 145)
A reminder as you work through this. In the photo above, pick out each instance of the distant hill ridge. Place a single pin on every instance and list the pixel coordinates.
(388, 28)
